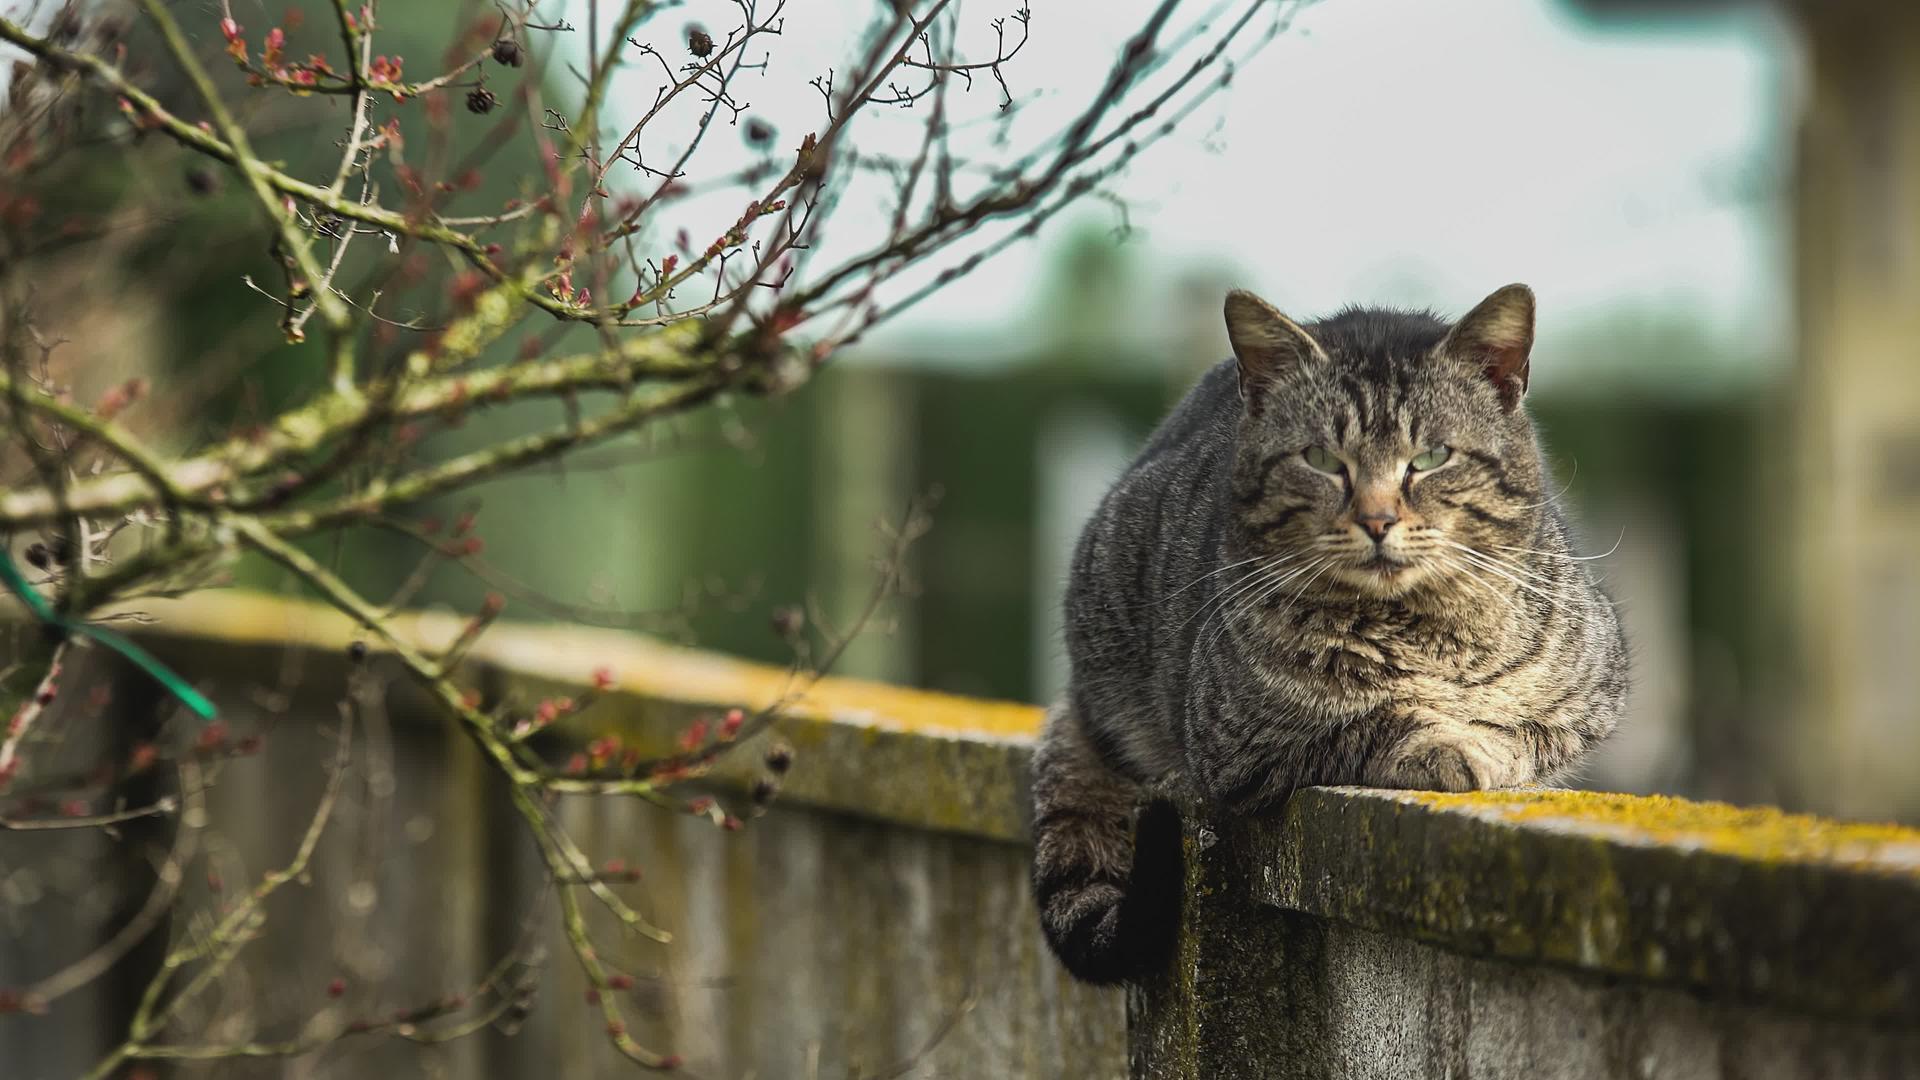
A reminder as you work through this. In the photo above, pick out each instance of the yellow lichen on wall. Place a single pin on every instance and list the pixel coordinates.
(638, 665)
(1761, 833)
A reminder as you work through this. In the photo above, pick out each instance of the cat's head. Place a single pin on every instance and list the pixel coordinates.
(1385, 451)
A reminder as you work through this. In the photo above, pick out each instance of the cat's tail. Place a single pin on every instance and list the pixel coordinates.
(1105, 919)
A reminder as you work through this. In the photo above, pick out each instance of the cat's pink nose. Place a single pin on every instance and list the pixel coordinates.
(1377, 524)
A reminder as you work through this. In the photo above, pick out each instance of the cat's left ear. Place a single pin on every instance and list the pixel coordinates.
(1496, 338)
(1265, 343)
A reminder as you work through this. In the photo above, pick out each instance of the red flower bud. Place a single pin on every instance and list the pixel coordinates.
(696, 734)
(213, 736)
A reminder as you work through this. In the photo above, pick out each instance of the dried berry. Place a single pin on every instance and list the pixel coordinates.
(758, 132)
(787, 621)
(699, 42)
(507, 51)
(780, 757)
(481, 100)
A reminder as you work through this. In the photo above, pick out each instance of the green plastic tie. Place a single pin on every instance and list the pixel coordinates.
(17, 583)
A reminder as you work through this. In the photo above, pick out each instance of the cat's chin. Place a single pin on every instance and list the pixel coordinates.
(1379, 577)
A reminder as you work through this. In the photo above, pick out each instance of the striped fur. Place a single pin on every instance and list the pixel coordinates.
(1235, 631)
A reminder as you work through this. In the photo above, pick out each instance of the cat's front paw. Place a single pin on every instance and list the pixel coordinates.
(1449, 758)
(1439, 767)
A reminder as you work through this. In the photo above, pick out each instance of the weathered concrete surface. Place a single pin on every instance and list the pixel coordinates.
(913, 758)
(1353, 1003)
(1787, 909)
(1379, 934)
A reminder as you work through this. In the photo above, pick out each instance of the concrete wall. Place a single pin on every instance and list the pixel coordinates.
(1546, 934)
(875, 922)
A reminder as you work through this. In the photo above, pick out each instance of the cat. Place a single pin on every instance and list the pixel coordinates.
(1337, 561)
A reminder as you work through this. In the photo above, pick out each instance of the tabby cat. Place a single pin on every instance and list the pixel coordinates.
(1338, 561)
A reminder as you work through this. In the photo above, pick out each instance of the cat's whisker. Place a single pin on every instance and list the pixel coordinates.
(1506, 564)
(1243, 579)
(1247, 599)
(1469, 577)
(1222, 570)
(1563, 555)
(1512, 574)
(1466, 572)
(1242, 599)
(1314, 569)
(1520, 577)
(1305, 585)
(1251, 580)
(1520, 586)
(1318, 569)
(1252, 602)
(1550, 500)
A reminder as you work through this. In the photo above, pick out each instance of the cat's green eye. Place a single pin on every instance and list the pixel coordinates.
(1431, 459)
(1323, 459)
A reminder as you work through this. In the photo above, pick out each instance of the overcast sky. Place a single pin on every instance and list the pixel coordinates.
(1401, 151)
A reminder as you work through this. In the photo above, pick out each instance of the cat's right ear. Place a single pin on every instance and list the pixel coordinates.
(1265, 343)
